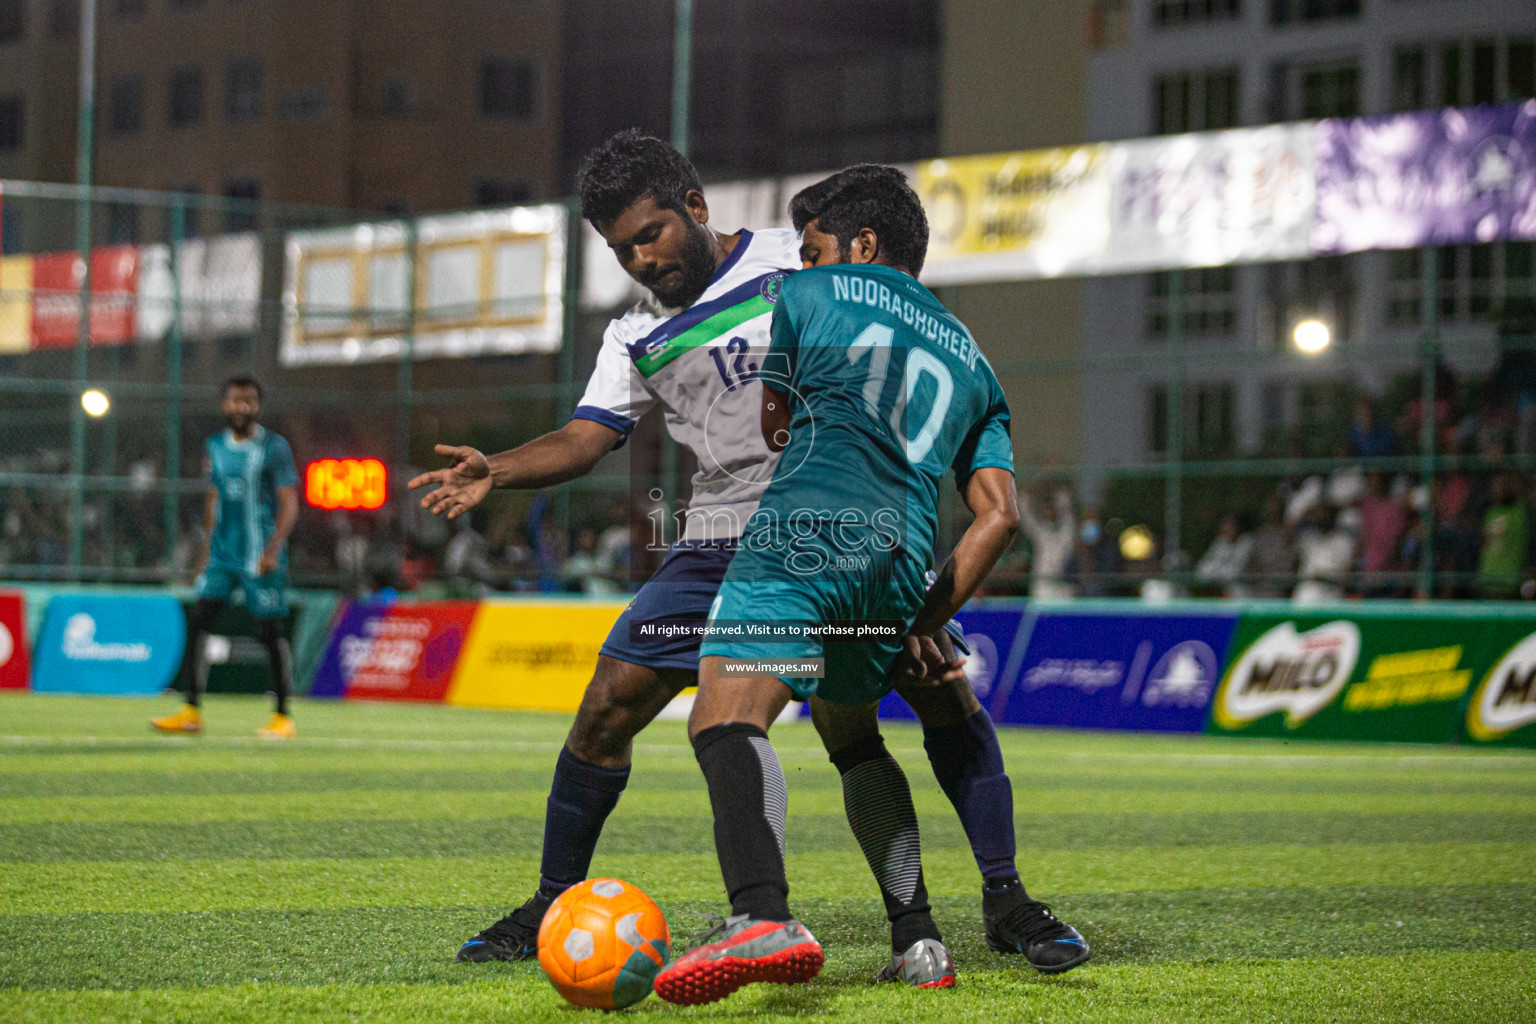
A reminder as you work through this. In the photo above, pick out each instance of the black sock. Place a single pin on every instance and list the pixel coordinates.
(279, 659)
(194, 666)
(880, 812)
(969, 766)
(750, 800)
(580, 799)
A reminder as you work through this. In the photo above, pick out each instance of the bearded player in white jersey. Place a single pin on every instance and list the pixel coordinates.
(693, 347)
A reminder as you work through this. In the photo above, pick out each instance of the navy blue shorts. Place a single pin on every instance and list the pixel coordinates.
(681, 590)
(684, 588)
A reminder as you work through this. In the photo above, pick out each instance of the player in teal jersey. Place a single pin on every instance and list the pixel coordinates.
(873, 391)
(252, 506)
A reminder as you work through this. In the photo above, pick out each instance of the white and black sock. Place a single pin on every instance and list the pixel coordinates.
(749, 798)
(880, 812)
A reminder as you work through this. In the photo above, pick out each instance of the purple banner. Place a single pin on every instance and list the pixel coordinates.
(1445, 177)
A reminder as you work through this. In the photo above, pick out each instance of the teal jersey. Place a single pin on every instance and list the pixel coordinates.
(247, 475)
(889, 391)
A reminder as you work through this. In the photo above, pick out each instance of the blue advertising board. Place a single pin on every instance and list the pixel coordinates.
(356, 623)
(109, 644)
(990, 629)
(1153, 671)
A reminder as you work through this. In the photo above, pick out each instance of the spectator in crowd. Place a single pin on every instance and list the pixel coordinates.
(589, 570)
(1506, 541)
(1226, 561)
(1458, 529)
(1098, 555)
(1383, 522)
(1271, 561)
(1052, 533)
(1369, 436)
(1325, 554)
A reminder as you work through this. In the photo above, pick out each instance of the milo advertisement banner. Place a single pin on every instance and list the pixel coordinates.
(1397, 677)
(1502, 708)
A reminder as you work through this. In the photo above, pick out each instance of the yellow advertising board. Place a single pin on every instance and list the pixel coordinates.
(1039, 213)
(15, 304)
(531, 656)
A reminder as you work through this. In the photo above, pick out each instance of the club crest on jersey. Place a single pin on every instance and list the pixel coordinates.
(772, 285)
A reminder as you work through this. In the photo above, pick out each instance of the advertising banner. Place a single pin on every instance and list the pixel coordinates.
(1433, 177)
(103, 644)
(487, 282)
(56, 279)
(1390, 677)
(1209, 199)
(1502, 708)
(220, 288)
(15, 304)
(1041, 213)
(394, 651)
(536, 656)
(1105, 670)
(990, 631)
(13, 643)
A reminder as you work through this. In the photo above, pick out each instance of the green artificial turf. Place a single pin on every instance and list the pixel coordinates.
(216, 878)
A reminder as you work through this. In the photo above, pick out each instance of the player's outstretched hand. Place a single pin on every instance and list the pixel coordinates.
(461, 486)
(922, 663)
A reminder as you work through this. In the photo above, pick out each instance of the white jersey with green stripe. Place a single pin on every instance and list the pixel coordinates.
(701, 366)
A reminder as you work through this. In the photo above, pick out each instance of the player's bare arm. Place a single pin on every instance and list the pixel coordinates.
(287, 518)
(553, 458)
(210, 520)
(990, 495)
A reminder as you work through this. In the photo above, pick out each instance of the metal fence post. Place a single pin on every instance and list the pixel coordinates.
(170, 508)
(566, 372)
(405, 369)
(1429, 357)
(1173, 497)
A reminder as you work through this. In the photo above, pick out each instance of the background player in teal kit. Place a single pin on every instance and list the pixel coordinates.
(873, 391)
(252, 506)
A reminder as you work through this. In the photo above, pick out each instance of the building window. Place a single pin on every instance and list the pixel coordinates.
(242, 90)
(1157, 419)
(63, 18)
(1486, 71)
(396, 97)
(1196, 101)
(1330, 91)
(1473, 282)
(503, 192)
(306, 103)
(13, 122)
(13, 20)
(125, 105)
(1292, 12)
(240, 215)
(186, 97)
(1210, 302)
(1410, 78)
(509, 89)
(1188, 12)
(122, 224)
(1404, 271)
(128, 9)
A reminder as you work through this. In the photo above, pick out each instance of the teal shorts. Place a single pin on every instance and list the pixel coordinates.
(762, 588)
(265, 596)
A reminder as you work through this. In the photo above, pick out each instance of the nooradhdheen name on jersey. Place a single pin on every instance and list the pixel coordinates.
(848, 288)
(80, 643)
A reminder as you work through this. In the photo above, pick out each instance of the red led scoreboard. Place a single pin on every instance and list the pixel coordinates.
(345, 483)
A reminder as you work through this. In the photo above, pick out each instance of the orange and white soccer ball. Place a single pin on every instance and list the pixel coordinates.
(602, 944)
